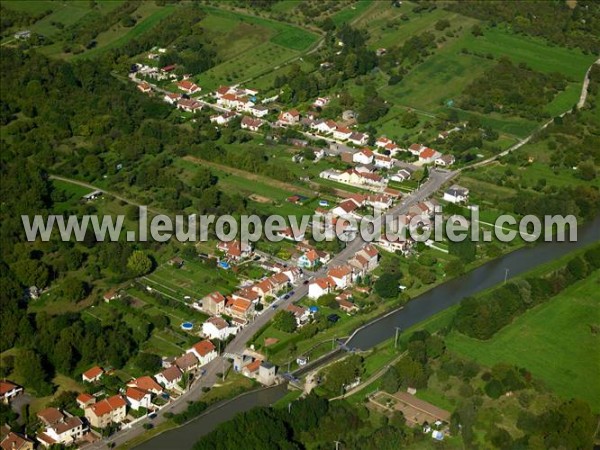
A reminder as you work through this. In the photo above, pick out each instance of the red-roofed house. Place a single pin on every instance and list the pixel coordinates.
(14, 441)
(9, 390)
(84, 400)
(93, 374)
(235, 249)
(107, 411)
(146, 383)
(204, 350)
(144, 87)
(341, 275)
(138, 398)
(320, 287)
(248, 123)
(342, 133)
(188, 87)
(291, 117)
(300, 314)
(59, 428)
(365, 156)
(240, 307)
(428, 155)
(251, 370)
(189, 105)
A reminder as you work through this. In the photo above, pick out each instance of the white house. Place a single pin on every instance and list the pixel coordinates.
(326, 126)
(428, 155)
(204, 350)
(291, 117)
(172, 97)
(382, 142)
(59, 428)
(341, 276)
(170, 377)
(401, 175)
(379, 201)
(359, 138)
(342, 133)
(300, 313)
(248, 123)
(321, 101)
(189, 105)
(383, 161)
(321, 286)
(415, 149)
(9, 390)
(456, 194)
(218, 328)
(224, 118)
(138, 398)
(365, 156)
(445, 160)
(188, 87)
(93, 374)
(259, 110)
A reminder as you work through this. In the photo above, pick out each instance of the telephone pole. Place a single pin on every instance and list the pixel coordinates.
(505, 275)
(396, 337)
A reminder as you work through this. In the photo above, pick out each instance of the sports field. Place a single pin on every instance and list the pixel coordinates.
(554, 341)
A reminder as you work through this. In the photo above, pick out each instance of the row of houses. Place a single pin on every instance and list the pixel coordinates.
(342, 277)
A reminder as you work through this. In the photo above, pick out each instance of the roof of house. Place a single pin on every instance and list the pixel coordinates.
(253, 366)
(107, 405)
(447, 158)
(415, 147)
(50, 416)
(457, 190)
(264, 285)
(146, 383)
(204, 347)
(324, 282)
(215, 297)
(427, 153)
(223, 90)
(392, 192)
(298, 311)
(280, 278)
(6, 386)
(171, 374)
(189, 103)
(339, 272)
(246, 293)
(381, 157)
(218, 322)
(43, 437)
(346, 304)
(13, 441)
(348, 206)
(370, 250)
(367, 152)
(240, 305)
(187, 84)
(344, 130)
(93, 372)
(186, 361)
(135, 393)
(251, 122)
(312, 255)
(84, 397)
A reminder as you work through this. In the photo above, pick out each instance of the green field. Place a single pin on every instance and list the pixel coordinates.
(194, 279)
(66, 13)
(249, 46)
(350, 13)
(553, 341)
(118, 35)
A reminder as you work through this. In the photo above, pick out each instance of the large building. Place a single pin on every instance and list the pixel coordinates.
(107, 411)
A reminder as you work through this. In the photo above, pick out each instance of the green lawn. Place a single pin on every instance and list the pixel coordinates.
(553, 341)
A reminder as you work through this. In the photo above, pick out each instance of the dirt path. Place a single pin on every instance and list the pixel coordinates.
(251, 176)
